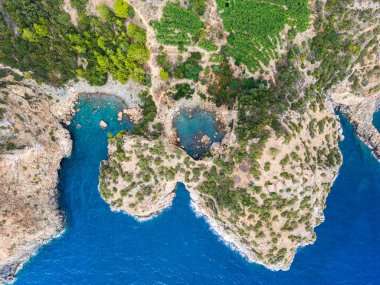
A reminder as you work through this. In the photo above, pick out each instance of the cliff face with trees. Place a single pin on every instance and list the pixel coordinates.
(351, 79)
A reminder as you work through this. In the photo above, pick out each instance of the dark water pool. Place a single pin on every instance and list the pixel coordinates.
(103, 247)
(194, 125)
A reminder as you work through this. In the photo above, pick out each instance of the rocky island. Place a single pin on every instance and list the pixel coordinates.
(271, 87)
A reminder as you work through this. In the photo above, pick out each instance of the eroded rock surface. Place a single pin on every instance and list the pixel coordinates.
(32, 144)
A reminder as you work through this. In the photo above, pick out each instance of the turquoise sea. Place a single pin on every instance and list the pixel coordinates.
(103, 247)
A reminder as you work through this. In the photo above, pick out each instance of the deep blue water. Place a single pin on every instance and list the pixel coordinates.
(192, 126)
(376, 120)
(103, 247)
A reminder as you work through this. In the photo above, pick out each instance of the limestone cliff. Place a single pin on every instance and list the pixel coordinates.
(32, 144)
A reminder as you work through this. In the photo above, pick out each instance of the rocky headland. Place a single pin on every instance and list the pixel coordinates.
(357, 95)
(32, 144)
(264, 196)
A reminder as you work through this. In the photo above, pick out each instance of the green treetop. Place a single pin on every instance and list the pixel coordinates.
(121, 8)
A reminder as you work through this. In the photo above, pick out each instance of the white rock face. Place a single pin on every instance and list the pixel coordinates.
(103, 124)
(35, 143)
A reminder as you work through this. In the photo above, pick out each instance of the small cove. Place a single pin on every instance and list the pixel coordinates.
(376, 120)
(192, 126)
(177, 247)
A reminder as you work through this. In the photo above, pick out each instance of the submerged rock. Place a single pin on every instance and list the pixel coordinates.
(120, 116)
(205, 139)
(103, 124)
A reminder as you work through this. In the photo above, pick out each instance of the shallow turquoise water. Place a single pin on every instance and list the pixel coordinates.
(192, 126)
(103, 247)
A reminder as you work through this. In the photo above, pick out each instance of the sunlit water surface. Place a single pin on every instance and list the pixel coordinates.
(103, 247)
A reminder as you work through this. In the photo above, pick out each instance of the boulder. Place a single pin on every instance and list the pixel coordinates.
(103, 124)
(119, 116)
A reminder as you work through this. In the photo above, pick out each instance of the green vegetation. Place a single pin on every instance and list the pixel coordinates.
(2, 113)
(178, 26)
(198, 6)
(334, 36)
(149, 113)
(80, 5)
(207, 45)
(259, 104)
(255, 25)
(110, 49)
(49, 56)
(121, 8)
(182, 90)
(190, 69)
(49, 45)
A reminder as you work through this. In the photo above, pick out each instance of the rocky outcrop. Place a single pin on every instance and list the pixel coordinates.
(134, 114)
(146, 172)
(357, 95)
(32, 144)
(360, 113)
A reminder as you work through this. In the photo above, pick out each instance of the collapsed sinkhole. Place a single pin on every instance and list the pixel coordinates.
(197, 130)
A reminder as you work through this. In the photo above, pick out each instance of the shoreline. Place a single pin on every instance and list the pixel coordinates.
(228, 239)
(13, 274)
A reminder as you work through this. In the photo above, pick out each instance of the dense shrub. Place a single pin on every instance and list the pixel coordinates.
(190, 69)
(49, 45)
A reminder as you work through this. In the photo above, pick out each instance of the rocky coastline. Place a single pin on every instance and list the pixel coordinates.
(141, 153)
(296, 174)
(33, 144)
(361, 116)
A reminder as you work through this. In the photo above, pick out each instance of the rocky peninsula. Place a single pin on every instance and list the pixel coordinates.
(262, 194)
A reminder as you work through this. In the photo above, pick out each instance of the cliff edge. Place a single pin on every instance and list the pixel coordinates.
(32, 144)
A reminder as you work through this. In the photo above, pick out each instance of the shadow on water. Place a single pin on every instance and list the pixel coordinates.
(103, 247)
